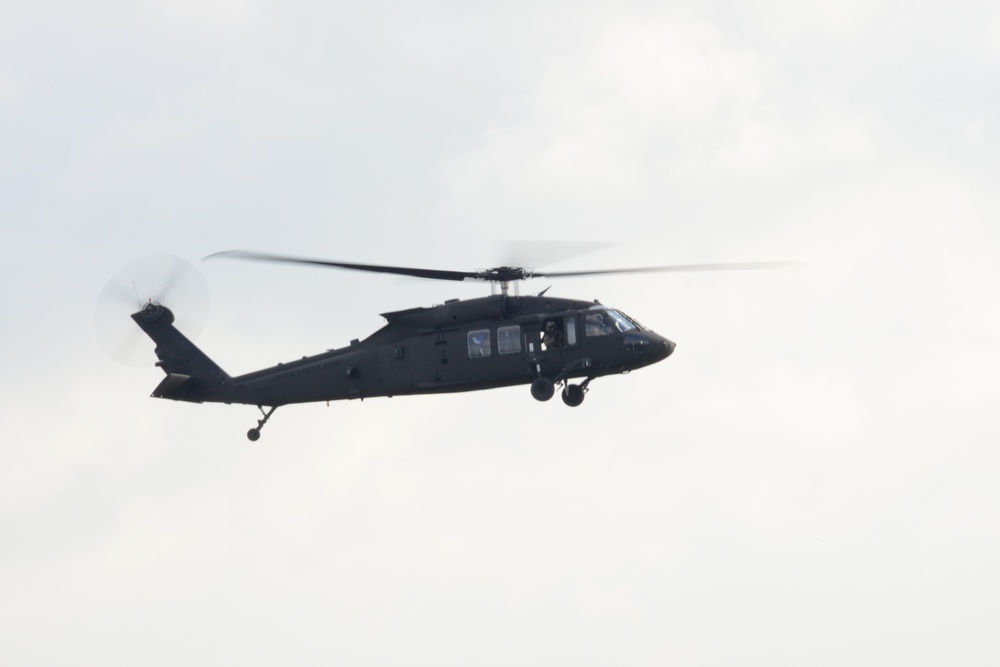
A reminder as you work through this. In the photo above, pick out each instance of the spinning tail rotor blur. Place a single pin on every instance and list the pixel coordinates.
(159, 279)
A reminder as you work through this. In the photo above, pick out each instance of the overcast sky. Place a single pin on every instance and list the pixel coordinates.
(811, 478)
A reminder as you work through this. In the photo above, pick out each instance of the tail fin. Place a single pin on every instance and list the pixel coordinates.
(191, 375)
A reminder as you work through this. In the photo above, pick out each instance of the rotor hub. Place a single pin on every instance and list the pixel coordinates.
(152, 311)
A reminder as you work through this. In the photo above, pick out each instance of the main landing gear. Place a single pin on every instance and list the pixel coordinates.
(572, 394)
(254, 433)
(542, 389)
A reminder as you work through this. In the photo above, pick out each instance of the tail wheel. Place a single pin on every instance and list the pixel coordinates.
(542, 389)
(253, 435)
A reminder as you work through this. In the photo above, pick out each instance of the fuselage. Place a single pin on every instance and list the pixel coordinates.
(458, 346)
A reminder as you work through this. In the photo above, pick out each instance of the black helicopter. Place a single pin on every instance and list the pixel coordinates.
(461, 345)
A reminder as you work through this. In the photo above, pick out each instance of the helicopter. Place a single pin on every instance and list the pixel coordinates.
(500, 340)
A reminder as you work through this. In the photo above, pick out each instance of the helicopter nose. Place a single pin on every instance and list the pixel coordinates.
(660, 347)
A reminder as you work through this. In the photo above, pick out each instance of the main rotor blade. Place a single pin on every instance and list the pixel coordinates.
(498, 274)
(433, 274)
(731, 266)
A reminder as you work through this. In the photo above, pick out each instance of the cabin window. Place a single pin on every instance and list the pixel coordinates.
(509, 339)
(479, 343)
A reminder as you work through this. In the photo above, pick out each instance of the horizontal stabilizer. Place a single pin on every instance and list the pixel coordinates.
(172, 386)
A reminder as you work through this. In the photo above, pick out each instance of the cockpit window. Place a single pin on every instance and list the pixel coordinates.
(602, 321)
(634, 321)
(597, 323)
(622, 323)
(571, 331)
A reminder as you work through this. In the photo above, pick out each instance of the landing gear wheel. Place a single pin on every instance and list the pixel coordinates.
(573, 395)
(254, 434)
(542, 389)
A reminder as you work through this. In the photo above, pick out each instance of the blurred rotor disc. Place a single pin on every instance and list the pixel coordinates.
(165, 279)
(539, 253)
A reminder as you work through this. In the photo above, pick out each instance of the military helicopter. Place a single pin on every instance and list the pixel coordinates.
(495, 341)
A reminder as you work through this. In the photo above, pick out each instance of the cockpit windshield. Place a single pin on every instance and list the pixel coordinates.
(622, 323)
(637, 323)
(602, 321)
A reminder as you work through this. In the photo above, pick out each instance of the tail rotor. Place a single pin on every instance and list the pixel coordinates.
(146, 283)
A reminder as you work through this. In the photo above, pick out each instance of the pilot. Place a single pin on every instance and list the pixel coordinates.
(552, 338)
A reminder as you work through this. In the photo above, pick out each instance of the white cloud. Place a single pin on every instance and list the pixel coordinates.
(991, 38)
(659, 117)
(226, 16)
(592, 125)
(10, 91)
